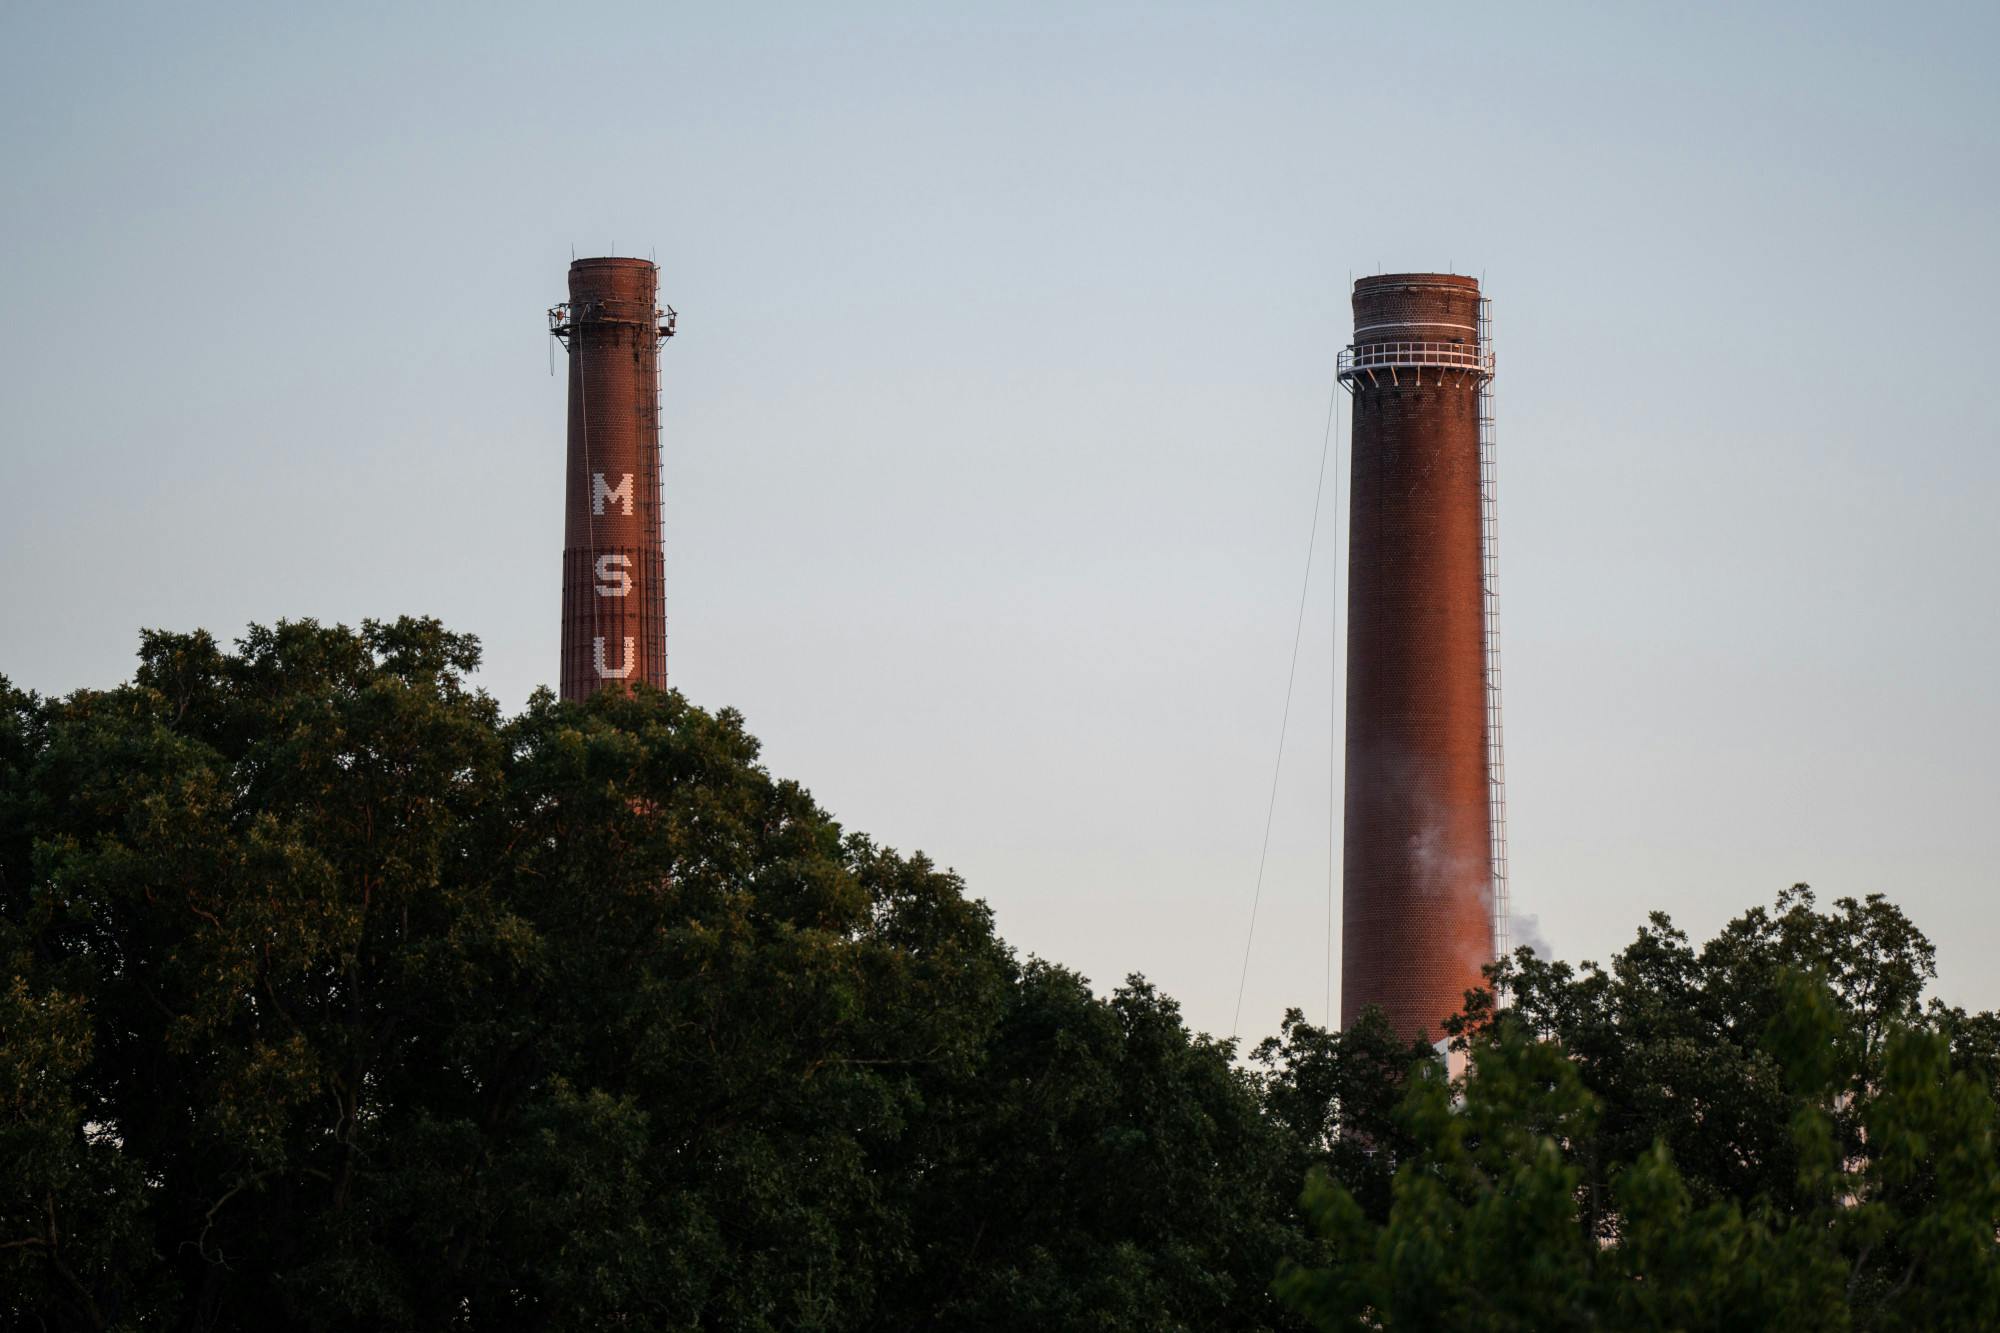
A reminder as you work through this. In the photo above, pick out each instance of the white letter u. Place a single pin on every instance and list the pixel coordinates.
(597, 651)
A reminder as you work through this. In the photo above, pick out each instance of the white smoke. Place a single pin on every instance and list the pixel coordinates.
(1526, 929)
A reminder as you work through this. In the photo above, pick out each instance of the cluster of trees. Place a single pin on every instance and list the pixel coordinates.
(335, 999)
(1768, 1133)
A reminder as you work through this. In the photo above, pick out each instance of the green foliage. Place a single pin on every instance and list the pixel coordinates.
(1670, 1038)
(1520, 1205)
(1121, 1177)
(337, 1000)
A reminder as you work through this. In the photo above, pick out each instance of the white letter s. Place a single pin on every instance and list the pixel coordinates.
(612, 580)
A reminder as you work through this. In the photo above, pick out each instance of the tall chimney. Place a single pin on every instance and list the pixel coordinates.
(1424, 838)
(614, 602)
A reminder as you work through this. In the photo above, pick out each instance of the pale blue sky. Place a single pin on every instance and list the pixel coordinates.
(1005, 345)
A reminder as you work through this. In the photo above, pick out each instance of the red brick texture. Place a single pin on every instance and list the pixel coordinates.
(1417, 916)
(614, 604)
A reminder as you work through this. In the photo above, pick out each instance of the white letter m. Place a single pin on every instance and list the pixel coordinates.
(599, 492)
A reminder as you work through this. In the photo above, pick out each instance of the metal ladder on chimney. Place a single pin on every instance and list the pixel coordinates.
(664, 319)
(1496, 757)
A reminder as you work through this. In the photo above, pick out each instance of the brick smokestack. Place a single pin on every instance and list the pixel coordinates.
(1418, 909)
(614, 602)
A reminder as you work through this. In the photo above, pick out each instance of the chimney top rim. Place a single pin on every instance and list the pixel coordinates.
(1454, 280)
(611, 261)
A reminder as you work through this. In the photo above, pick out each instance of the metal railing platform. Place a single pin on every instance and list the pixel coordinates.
(1369, 360)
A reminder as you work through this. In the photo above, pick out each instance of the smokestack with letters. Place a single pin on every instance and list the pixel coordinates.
(614, 602)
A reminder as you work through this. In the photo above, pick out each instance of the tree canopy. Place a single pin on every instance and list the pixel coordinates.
(1768, 1133)
(338, 1000)
(335, 999)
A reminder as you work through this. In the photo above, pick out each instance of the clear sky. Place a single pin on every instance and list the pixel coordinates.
(1006, 341)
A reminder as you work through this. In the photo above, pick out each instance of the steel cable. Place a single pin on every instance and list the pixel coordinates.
(1284, 722)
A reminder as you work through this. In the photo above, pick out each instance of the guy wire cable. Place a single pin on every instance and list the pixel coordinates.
(1291, 677)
